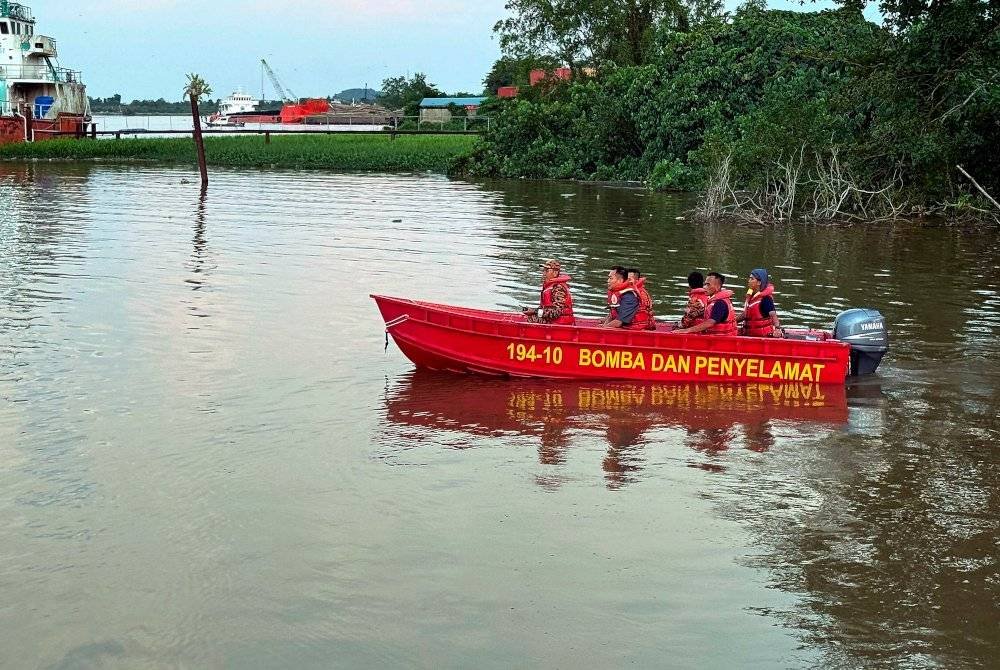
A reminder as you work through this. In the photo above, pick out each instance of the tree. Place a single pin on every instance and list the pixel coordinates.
(593, 32)
(406, 94)
(196, 88)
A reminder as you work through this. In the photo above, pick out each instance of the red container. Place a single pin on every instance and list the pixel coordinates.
(507, 92)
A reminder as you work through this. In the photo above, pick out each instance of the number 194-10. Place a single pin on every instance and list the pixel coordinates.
(525, 352)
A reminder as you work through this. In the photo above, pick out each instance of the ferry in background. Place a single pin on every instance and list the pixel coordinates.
(241, 109)
(237, 109)
(38, 99)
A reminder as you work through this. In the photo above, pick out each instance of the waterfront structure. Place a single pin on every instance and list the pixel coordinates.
(38, 98)
(438, 110)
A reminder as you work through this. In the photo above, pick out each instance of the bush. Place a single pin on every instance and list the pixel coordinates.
(894, 111)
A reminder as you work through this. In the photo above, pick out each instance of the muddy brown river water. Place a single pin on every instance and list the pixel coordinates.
(207, 459)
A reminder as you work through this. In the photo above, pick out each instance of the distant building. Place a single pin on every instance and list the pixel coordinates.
(560, 73)
(436, 110)
(545, 77)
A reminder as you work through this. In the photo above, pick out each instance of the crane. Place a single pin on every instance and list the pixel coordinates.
(287, 95)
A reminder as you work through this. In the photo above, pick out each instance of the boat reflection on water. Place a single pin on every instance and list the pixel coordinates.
(708, 418)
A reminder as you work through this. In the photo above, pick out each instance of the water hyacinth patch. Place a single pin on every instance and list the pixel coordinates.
(405, 153)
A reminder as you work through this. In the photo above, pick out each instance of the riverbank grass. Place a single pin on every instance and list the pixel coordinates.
(377, 153)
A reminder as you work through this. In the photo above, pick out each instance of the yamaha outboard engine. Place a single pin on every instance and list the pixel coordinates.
(864, 330)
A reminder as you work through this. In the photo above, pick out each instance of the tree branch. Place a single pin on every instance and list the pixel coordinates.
(976, 184)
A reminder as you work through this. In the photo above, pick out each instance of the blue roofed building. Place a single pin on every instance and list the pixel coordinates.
(438, 110)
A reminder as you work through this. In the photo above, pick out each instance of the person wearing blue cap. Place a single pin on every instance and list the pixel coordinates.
(759, 317)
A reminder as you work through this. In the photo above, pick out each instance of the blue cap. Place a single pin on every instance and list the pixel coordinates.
(761, 275)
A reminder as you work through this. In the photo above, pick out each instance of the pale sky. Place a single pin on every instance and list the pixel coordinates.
(143, 48)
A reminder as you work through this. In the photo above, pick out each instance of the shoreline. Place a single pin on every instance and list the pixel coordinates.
(374, 154)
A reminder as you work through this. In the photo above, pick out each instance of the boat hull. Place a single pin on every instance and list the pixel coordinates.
(12, 128)
(444, 337)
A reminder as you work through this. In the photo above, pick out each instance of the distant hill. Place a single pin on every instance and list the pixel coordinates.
(358, 94)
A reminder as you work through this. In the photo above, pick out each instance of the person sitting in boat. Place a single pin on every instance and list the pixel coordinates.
(697, 301)
(623, 302)
(759, 317)
(720, 318)
(645, 300)
(556, 303)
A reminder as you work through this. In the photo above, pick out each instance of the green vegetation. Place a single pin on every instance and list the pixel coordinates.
(772, 114)
(406, 94)
(406, 153)
(115, 105)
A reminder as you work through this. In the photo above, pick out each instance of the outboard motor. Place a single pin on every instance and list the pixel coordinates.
(864, 330)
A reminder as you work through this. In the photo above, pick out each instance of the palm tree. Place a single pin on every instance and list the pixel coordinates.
(195, 89)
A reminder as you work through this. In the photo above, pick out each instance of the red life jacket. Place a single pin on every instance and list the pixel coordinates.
(643, 319)
(727, 327)
(699, 294)
(614, 297)
(645, 306)
(757, 323)
(566, 318)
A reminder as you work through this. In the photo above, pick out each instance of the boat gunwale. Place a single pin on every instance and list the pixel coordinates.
(687, 337)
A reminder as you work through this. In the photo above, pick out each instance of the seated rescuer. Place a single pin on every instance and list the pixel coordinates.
(720, 318)
(759, 317)
(645, 300)
(556, 303)
(623, 302)
(697, 301)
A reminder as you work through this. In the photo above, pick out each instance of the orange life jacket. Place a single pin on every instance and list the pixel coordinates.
(727, 327)
(643, 319)
(566, 317)
(699, 294)
(645, 306)
(757, 324)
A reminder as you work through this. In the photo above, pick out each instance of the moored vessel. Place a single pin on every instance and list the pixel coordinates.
(239, 109)
(38, 98)
(458, 339)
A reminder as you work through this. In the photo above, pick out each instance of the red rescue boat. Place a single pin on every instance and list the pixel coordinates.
(459, 339)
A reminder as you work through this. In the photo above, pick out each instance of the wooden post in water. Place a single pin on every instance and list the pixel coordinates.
(196, 88)
(29, 124)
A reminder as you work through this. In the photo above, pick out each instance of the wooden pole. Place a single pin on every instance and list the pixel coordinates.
(199, 141)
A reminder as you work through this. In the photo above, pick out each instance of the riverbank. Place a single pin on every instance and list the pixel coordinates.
(406, 153)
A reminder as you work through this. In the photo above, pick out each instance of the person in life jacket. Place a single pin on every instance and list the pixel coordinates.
(697, 301)
(555, 303)
(623, 302)
(720, 317)
(759, 317)
(645, 319)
